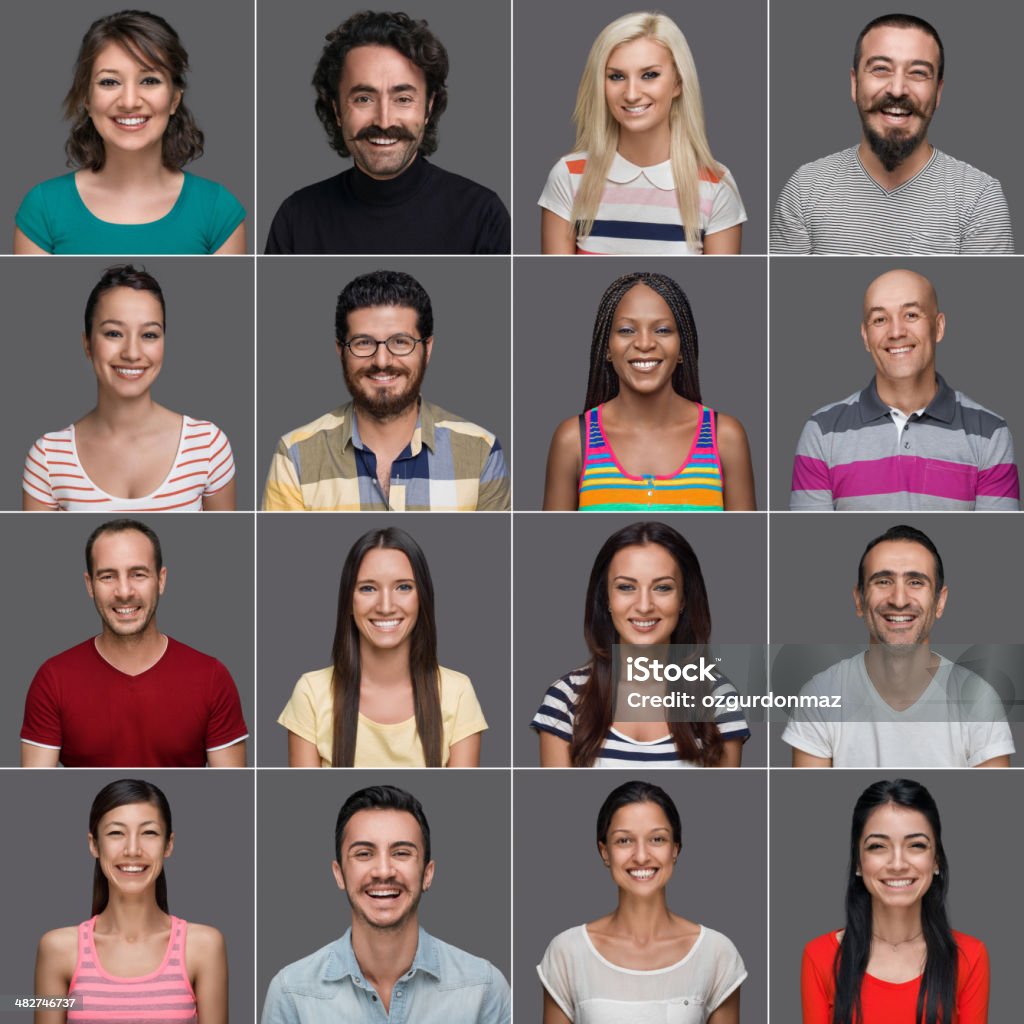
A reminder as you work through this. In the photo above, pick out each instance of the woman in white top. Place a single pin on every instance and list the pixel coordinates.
(129, 453)
(641, 962)
(642, 179)
(385, 701)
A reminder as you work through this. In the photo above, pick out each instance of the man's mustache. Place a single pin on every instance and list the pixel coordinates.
(396, 132)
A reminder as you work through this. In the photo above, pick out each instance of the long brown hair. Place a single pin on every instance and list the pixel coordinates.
(423, 667)
(695, 741)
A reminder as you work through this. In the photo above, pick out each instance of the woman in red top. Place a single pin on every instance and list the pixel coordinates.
(897, 960)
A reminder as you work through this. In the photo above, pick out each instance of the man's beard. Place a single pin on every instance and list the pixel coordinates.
(893, 147)
(384, 403)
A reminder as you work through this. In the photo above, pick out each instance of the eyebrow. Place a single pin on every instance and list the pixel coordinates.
(366, 844)
(404, 87)
(629, 831)
(148, 821)
(913, 304)
(916, 62)
(913, 574)
(633, 579)
(122, 323)
(650, 67)
(909, 835)
(370, 579)
(131, 568)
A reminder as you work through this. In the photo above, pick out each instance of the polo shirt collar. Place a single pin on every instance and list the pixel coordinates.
(341, 959)
(622, 172)
(941, 407)
(423, 434)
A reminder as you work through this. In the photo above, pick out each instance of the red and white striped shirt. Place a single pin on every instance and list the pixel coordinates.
(202, 465)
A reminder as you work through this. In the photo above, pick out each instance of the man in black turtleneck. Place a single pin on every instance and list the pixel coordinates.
(381, 91)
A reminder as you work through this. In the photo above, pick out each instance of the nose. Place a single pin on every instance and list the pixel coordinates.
(382, 357)
(128, 98)
(132, 846)
(131, 346)
(900, 595)
(644, 340)
(381, 867)
(387, 112)
(385, 599)
(641, 855)
(644, 599)
(633, 89)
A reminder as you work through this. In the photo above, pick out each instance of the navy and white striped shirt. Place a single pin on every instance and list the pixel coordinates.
(833, 205)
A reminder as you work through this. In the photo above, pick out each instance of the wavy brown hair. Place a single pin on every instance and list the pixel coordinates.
(695, 741)
(423, 667)
(151, 43)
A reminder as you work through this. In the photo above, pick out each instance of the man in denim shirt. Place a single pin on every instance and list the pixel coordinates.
(385, 967)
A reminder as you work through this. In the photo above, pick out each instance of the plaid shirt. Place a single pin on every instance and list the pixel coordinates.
(449, 465)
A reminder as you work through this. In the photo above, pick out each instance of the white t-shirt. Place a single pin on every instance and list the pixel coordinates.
(958, 722)
(591, 990)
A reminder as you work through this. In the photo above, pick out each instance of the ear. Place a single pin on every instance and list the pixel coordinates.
(940, 327)
(169, 848)
(176, 102)
(678, 90)
(603, 850)
(940, 604)
(428, 875)
(93, 848)
(864, 336)
(88, 585)
(938, 95)
(337, 116)
(853, 84)
(428, 347)
(339, 877)
(162, 578)
(858, 603)
(86, 346)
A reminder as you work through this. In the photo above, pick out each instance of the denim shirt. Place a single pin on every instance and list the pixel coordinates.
(444, 985)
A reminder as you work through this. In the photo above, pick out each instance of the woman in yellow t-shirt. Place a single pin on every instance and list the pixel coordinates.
(385, 702)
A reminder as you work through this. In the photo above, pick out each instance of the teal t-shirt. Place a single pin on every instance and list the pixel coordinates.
(54, 217)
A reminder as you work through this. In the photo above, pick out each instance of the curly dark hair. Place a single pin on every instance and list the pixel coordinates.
(412, 39)
(152, 43)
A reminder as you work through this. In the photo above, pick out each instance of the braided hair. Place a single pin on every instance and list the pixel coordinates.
(603, 382)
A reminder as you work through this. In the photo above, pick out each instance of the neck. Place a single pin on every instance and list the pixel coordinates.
(132, 654)
(643, 919)
(645, 149)
(651, 411)
(908, 395)
(131, 916)
(385, 954)
(114, 413)
(133, 170)
(900, 676)
(389, 435)
(895, 925)
(384, 667)
(903, 171)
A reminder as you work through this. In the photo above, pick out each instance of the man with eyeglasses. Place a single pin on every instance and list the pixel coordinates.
(387, 449)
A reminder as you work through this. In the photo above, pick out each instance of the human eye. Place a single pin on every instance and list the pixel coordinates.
(912, 314)
(625, 329)
(649, 75)
(151, 80)
(625, 588)
(623, 840)
(873, 846)
(615, 76)
(880, 70)
(366, 588)
(110, 332)
(665, 588)
(405, 588)
(659, 840)
(362, 99)
(151, 335)
(107, 82)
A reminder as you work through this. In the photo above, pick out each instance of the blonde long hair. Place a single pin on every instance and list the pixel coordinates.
(597, 132)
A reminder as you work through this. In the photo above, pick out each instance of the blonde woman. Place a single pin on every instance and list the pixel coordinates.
(642, 180)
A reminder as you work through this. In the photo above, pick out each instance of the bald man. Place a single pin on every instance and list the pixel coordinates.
(908, 441)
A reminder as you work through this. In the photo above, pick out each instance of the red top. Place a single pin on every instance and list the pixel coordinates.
(100, 717)
(885, 1000)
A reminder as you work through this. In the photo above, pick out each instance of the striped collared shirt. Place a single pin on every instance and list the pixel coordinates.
(449, 465)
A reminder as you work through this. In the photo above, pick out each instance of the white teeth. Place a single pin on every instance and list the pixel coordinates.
(899, 883)
(124, 371)
(386, 623)
(132, 869)
(637, 110)
(383, 142)
(645, 364)
(643, 623)
(899, 618)
(899, 351)
(131, 120)
(382, 892)
(126, 611)
(642, 874)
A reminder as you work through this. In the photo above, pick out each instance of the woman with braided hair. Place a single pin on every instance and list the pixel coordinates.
(645, 439)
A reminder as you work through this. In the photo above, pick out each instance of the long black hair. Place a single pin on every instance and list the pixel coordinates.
(936, 999)
(603, 382)
(109, 798)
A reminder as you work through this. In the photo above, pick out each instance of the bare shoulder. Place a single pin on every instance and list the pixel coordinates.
(59, 948)
(730, 430)
(205, 940)
(567, 436)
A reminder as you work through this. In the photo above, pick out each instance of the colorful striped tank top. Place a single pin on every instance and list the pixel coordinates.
(161, 996)
(696, 486)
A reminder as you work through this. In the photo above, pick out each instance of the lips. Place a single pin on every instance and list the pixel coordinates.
(383, 892)
(642, 874)
(387, 625)
(131, 124)
(129, 372)
(132, 869)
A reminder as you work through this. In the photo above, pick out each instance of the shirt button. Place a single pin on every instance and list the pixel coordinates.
(906, 445)
(398, 995)
(374, 998)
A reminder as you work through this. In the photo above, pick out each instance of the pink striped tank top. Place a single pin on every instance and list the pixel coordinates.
(696, 485)
(163, 995)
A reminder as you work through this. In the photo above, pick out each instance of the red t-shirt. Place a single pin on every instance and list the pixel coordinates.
(886, 1000)
(166, 717)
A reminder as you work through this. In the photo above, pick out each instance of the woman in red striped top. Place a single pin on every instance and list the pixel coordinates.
(129, 453)
(132, 960)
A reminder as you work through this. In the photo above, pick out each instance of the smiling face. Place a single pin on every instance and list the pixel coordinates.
(639, 848)
(125, 584)
(385, 605)
(384, 385)
(130, 104)
(127, 343)
(382, 109)
(640, 84)
(899, 603)
(901, 326)
(131, 844)
(643, 346)
(645, 594)
(898, 859)
(896, 89)
(381, 869)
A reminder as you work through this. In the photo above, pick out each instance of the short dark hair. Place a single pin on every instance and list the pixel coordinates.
(120, 526)
(637, 792)
(151, 42)
(122, 275)
(381, 798)
(384, 288)
(412, 39)
(901, 21)
(912, 535)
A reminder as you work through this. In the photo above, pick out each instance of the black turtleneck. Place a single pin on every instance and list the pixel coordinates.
(424, 210)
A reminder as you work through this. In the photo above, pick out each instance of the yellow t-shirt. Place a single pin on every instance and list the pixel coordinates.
(310, 715)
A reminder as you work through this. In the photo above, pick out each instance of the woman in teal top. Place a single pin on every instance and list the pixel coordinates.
(131, 134)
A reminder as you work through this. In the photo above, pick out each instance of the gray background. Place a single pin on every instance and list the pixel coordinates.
(810, 851)
(816, 311)
(554, 553)
(300, 906)
(210, 874)
(813, 569)
(207, 371)
(556, 302)
(39, 43)
(811, 111)
(719, 881)
(728, 42)
(300, 374)
(207, 603)
(300, 560)
(474, 130)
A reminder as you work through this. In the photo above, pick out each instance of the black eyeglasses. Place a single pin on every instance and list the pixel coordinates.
(362, 346)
